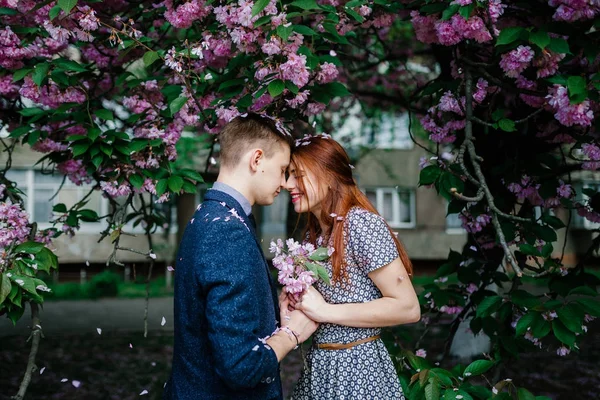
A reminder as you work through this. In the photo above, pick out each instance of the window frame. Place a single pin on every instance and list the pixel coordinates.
(395, 222)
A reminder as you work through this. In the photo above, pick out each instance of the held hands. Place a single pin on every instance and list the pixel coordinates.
(312, 304)
(296, 320)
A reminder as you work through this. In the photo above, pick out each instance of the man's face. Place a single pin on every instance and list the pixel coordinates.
(271, 175)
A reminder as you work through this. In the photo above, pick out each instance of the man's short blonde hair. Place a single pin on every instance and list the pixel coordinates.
(250, 130)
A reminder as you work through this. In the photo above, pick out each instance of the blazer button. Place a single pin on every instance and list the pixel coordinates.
(269, 380)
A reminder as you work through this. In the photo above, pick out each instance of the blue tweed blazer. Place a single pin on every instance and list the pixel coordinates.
(225, 302)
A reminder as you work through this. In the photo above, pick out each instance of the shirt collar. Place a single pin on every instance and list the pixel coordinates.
(240, 198)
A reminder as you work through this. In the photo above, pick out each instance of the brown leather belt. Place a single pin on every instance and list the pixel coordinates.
(342, 346)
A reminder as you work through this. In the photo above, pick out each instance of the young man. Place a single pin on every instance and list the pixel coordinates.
(226, 306)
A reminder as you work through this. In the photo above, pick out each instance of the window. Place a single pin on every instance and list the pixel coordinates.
(454, 224)
(577, 221)
(41, 189)
(389, 130)
(396, 205)
(41, 195)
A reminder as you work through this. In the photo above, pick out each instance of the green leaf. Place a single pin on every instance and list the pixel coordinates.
(305, 4)
(150, 57)
(432, 390)
(577, 86)
(336, 89)
(478, 367)
(284, 32)
(53, 13)
(524, 394)
(488, 306)
(559, 45)
(15, 314)
(466, 11)
(259, 6)
(554, 222)
(571, 316)
(540, 39)
(5, 287)
(509, 35)
(60, 208)
(525, 322)
(429, 175)
(40, 73)
(320, 254)
(191, 174)
(529, 250)
(104, 114)
(29, 112)
(175, 183)
(562, 333)
(507, 125)
(276, 87)
(8, 11)
(161, 187)
(547, 250)
(67, 5)
(263, 20)
(20, 74)
(450, 11)
(323, 275)
(304, 30)
(177, 104)
(25, 282)
(69, 65)
(136, 180)
(88, 215)
(583, 290)
(29, 247)
(79, 149)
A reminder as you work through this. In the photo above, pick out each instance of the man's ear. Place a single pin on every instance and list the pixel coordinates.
(256, 158)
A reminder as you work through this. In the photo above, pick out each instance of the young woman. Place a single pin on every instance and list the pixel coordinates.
(370, 280)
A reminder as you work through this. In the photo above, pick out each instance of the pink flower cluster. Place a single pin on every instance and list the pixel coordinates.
(574, 10)
(291, 259)
(75, 171)
(14, 222)
(526, 189)
(431, 29)
(187, 13)
(51, 95)
(516, 61)
(566, 113)
(474, 224)
(592, 152)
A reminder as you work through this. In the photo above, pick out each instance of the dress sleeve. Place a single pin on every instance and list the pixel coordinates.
(370, 242)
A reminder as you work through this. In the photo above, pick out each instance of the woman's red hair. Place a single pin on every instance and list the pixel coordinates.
(330, 164)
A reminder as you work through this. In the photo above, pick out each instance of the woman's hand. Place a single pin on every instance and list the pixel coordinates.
(313, 305)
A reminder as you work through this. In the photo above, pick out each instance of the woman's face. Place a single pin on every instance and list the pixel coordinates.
(313, 193)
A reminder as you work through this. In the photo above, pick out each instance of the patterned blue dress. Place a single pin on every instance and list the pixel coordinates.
(366, 371)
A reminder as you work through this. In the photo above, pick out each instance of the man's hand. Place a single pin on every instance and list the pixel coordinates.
(301, 324)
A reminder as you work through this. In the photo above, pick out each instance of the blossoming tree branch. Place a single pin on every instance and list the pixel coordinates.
(506, 92)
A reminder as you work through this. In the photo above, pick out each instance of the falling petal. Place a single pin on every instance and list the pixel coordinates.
(152, 256)
(42, 370)
(87, 263)
(63, 380)
(76, 383)
(192, 221)
(400, 277)
(143, 392)
(99, 330)
(163, 322)
(153, 364)
(171, 269)
(130, 346)
(255, 348)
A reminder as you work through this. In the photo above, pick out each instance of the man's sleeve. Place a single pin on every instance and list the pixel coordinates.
(231, 279)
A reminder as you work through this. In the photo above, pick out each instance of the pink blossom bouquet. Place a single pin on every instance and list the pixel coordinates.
(299, 265)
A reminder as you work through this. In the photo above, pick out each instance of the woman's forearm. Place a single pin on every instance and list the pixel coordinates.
(386, 311)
